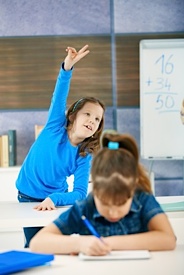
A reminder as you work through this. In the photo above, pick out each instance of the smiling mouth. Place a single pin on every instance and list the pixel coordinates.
(88, 127)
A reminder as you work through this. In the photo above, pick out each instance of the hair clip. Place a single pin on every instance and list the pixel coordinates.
(112, 145)
(78, 101)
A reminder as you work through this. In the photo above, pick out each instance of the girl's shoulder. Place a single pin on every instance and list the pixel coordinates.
(140, 194)
(147, 202)
(142, 198)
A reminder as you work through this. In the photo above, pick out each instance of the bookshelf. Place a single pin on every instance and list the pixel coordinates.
(8, 150)
(8, 146)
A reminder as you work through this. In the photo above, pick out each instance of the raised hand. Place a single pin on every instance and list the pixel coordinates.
(73, 56)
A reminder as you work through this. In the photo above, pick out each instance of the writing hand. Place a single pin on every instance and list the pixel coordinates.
(47, 204)
(73, 56)
(92, 246)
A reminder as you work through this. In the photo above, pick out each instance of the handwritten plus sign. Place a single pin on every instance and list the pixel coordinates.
(149, 82)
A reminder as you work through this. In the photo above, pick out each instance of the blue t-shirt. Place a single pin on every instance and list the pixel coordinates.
(143, 208)
(52, 158)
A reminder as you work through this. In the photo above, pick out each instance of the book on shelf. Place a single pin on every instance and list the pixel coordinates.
(38, 129)
(12, 140)
(4, 151)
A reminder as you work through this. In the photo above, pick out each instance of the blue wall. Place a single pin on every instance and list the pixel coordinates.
(84, 17)
(71, 17)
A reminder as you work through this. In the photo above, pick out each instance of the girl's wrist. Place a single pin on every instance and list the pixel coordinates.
(67, 67)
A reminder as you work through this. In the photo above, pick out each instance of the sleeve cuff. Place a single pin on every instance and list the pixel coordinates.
(63, 66)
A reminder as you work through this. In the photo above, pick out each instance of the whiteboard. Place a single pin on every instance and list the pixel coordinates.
(161, 96)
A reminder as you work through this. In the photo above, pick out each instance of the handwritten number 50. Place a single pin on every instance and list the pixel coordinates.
(166, 102)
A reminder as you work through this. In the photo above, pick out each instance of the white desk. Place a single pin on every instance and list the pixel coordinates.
(165, 263)
(15, 214)
(23, 215)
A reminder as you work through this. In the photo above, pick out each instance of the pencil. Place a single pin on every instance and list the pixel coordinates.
(90, 227)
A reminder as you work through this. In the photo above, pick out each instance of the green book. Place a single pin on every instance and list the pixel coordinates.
(12, 147)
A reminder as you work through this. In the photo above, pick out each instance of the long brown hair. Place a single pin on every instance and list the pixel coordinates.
(90, 144)
(117, 173)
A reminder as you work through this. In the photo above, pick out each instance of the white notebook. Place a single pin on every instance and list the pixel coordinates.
(118, 255)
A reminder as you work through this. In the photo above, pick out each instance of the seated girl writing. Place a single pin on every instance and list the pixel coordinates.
(121, 207)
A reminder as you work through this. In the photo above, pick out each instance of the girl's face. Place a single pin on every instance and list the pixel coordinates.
(111, 212)
(87, 120)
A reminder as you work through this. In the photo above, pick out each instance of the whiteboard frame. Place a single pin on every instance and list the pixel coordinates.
(154, 44)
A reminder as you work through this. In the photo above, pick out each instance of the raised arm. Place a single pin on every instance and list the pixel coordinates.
(56, 115)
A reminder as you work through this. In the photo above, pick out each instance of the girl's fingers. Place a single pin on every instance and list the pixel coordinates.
(44, 207)
(71, 49)
(83, 49)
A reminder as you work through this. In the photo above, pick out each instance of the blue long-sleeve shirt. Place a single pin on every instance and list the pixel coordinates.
(52, 158)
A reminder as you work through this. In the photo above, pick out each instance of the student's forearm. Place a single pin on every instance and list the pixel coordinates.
(152, 240)
(68, 198)
(55, 244)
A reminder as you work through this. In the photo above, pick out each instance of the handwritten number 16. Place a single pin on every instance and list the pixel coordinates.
(167, 67)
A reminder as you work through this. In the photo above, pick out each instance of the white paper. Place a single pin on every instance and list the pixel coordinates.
(118, 255)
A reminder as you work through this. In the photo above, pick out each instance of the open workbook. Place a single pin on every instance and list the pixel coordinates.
(119, 255)
(15, 260)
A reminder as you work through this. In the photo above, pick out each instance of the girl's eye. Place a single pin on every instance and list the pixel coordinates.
(97, 119)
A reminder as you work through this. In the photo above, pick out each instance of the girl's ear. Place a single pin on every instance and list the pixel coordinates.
(71, 118)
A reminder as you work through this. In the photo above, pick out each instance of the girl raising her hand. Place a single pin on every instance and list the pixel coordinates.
(64, 147)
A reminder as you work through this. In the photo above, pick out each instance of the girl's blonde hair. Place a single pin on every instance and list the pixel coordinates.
(90, 144)
(117, 173)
